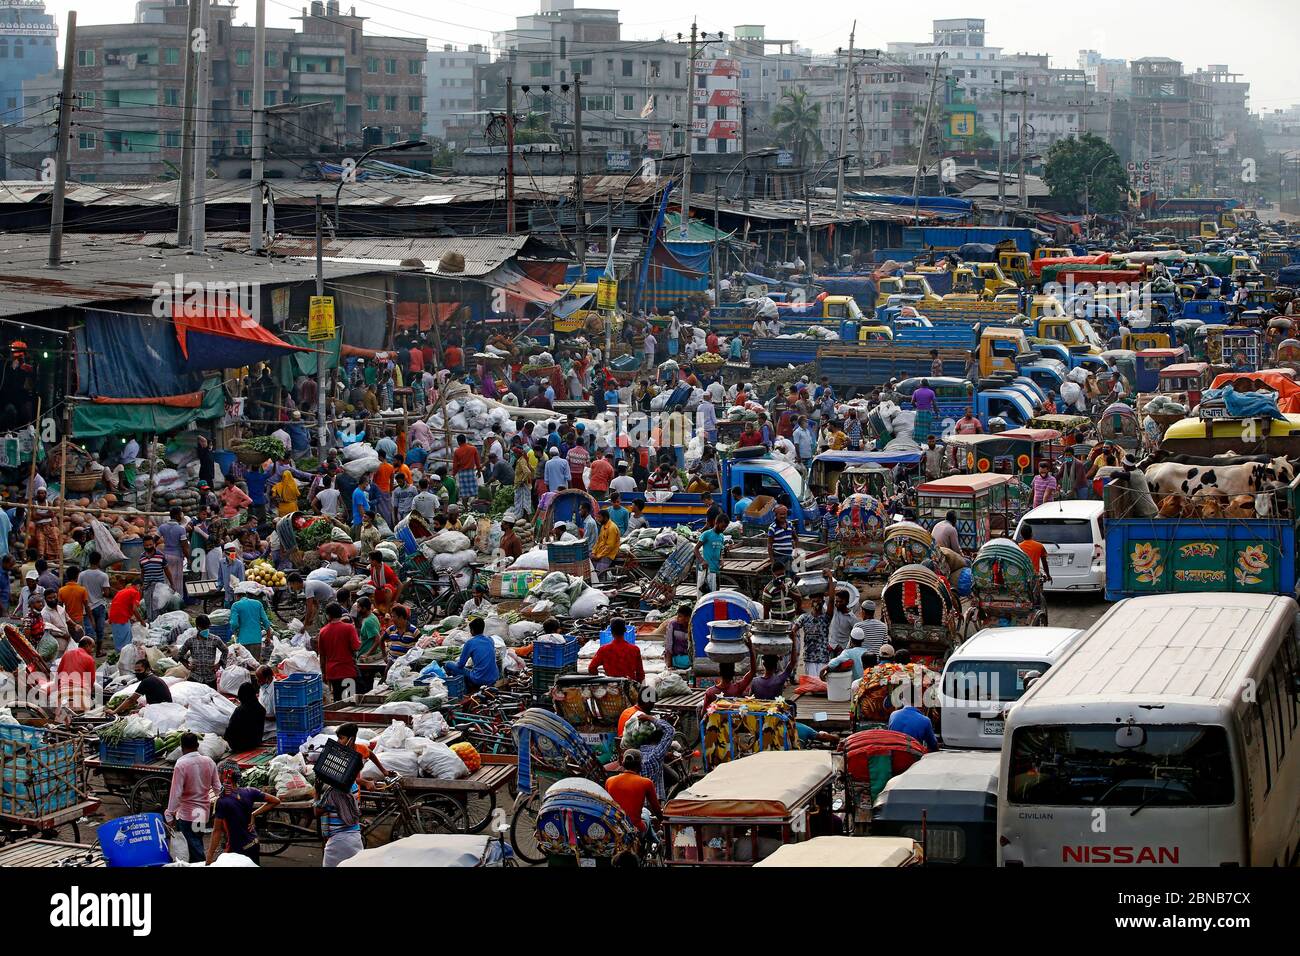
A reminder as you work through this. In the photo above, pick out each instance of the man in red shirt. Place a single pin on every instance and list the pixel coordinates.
(618, 657)
(337, 645)
(383, 482)
(464, 466)
(388, 586)
(1036, 553)
(455, 358)
(602, 473)
(711, 342)
(417, 359)
(750, 437)
(124, 608)
(76, 677)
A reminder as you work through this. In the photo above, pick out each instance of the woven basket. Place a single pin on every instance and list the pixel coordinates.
(82, 483)
(254, 459)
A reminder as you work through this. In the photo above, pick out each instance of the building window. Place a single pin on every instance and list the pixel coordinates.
(372, 101)
(243, 137)
(86, 140)
(627, 104)
(415, 67)
(85, 58)
(268, 98)
(722, 146)
(390, 66)
(701, 144)
(539, 68)
(372, 64)
(85, 101)
(627, 67)
(722, 112)
(172, 139)
(4, 51)
(677, 73)
(171, 96)
(245, 97)
(243, 57)
(701, 112)
(171, 55)
(390, 104)
(273, 59)
(581, 67)
(413, 104)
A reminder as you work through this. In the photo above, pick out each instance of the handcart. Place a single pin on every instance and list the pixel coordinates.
(672, 572)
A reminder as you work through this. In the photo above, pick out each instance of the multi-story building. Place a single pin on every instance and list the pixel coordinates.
(449, 87)
(28, 45)
(1171, 124)
(129, 86)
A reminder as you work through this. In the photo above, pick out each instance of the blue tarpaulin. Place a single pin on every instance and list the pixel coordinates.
(933, 203)
(567, 307)
(129, 356)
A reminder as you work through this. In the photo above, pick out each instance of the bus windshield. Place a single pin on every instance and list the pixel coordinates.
(1082, 765)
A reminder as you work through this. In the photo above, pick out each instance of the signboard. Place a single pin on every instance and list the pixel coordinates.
(724, 97)
(721, 67)
(784, 157)
(606, 294)
(320, 319)
(654, 141)
(279, 304)
(618, 160)
(961, 124)
(725, 129)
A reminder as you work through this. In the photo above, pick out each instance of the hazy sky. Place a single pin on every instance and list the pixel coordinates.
(1260, 38)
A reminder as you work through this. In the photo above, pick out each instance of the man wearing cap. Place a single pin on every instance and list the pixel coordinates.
(556, 470)
(478, 605)
(230, 572)
(623, 482)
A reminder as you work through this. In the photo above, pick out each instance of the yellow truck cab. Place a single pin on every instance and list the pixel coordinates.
(965, 286)
(999, 348)
(914, 283)
(994, 279)
(840, 307)
(875, 334)
(1052, 252)
(888, 286)
(577, 319)
(1244, 264)
(1015, 266)
(1071, 333)
(1209, 229)
(1140, 340)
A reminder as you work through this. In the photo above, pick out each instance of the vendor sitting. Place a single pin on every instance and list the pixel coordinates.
(247, 726)
(151, 687)
(478, 659)
(478, 605)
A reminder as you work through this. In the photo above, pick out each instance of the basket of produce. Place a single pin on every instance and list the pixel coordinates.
(257, 451)
(265, 574)
(80, 484)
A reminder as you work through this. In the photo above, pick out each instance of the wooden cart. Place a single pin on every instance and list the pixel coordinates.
(476, 794)
(42, 853)
(145, 787)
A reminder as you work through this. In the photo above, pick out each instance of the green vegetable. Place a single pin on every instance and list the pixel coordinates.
(265, 445)
(315, 534)
(166, 743)
(408, 693)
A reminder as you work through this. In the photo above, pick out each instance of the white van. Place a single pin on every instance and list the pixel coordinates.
(1074, 534)
(986, 674)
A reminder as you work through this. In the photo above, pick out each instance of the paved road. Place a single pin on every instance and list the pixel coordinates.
(1075, 610)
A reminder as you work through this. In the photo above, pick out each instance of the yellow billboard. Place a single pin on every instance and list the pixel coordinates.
(961, 124)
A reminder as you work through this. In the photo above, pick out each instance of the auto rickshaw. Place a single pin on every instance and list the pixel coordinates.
(987, 506)
(848, 851)
(1006, 592)
(743, 811)
(949, 800)
(1149, 363)
(1015, 451)
(1184, 382)
(922, 614)
(1119, 424)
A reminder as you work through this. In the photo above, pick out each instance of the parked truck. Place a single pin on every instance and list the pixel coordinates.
(853, 368)
(953, 237)
(776, 352)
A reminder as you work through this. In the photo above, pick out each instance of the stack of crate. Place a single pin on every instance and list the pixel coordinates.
(299, 710)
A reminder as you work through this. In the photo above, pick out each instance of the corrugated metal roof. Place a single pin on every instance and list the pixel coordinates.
(100, 269)
(482, 253)
(823, 211)
(438, 191)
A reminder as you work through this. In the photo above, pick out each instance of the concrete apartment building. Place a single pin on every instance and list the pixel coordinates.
(1171, 123)
(28, 47)
(333, 78)
(449, 87)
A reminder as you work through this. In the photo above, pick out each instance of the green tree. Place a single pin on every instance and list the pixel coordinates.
(797, 122)
(982, 139)
(1086, 172)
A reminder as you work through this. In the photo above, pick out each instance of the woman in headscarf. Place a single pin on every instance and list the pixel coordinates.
(234, 829)
(286, 493)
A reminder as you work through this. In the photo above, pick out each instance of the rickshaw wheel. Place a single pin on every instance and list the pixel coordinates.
(435, 813)
(150, 794)
(971, 624)
(273, 839)
(1038, 619)
(523, 830)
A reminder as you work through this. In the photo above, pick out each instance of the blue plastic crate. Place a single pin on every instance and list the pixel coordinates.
(288, 743)
(297, 720)
(546, 654)
(455, 687)
(127, 752)
(568, 552)
(220, 630)
(298, 690)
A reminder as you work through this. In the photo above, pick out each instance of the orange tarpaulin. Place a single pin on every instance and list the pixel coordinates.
(188, 400)
(1288, 391)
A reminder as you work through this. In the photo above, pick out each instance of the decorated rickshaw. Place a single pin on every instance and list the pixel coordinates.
(860, 536)
(1006, 591)
(921, 612)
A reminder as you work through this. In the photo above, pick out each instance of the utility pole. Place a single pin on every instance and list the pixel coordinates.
(1002, 143)
(688, 139)
(61, 151)
(717, 246)
(198, 221)
(255, 222)
(925, 141)
(578, 189)
(744, 154)
(322, 378)
(861, 129)
(1020, 144)
(184, 198)
(510, 155)
(844, 127)
(807, 225)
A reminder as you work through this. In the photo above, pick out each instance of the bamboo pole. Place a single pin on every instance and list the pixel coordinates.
(63, 496)
(31, 474)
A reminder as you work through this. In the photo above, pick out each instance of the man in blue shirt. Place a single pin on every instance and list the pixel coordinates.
(478, 659)
(248, 622)
(908, 720)
(229, 573)
(360, 502)
(711, 544)
(557, 471)
(617, 513)
(255, 480)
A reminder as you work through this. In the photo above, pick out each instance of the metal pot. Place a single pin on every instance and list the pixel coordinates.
(727, 652)
(727, 631)
(811, 582)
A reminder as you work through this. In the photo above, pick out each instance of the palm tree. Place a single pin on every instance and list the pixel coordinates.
(797, 123)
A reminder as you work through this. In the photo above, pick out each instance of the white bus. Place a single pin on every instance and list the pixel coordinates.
(1166, 735)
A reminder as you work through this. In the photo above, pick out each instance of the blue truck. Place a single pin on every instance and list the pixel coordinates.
(754, 476)
(953, 237)
(1015, 403)
(777, 352)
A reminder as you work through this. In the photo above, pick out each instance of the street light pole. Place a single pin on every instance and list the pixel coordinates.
(386, 148)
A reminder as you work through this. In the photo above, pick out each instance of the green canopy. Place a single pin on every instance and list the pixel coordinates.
(90, 420)
(698, 232)
(304, 363)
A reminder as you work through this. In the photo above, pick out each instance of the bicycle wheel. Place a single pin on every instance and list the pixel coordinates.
(275, 835)
(523, 830)
(150, 794)
(434, 813)
(478, 811)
